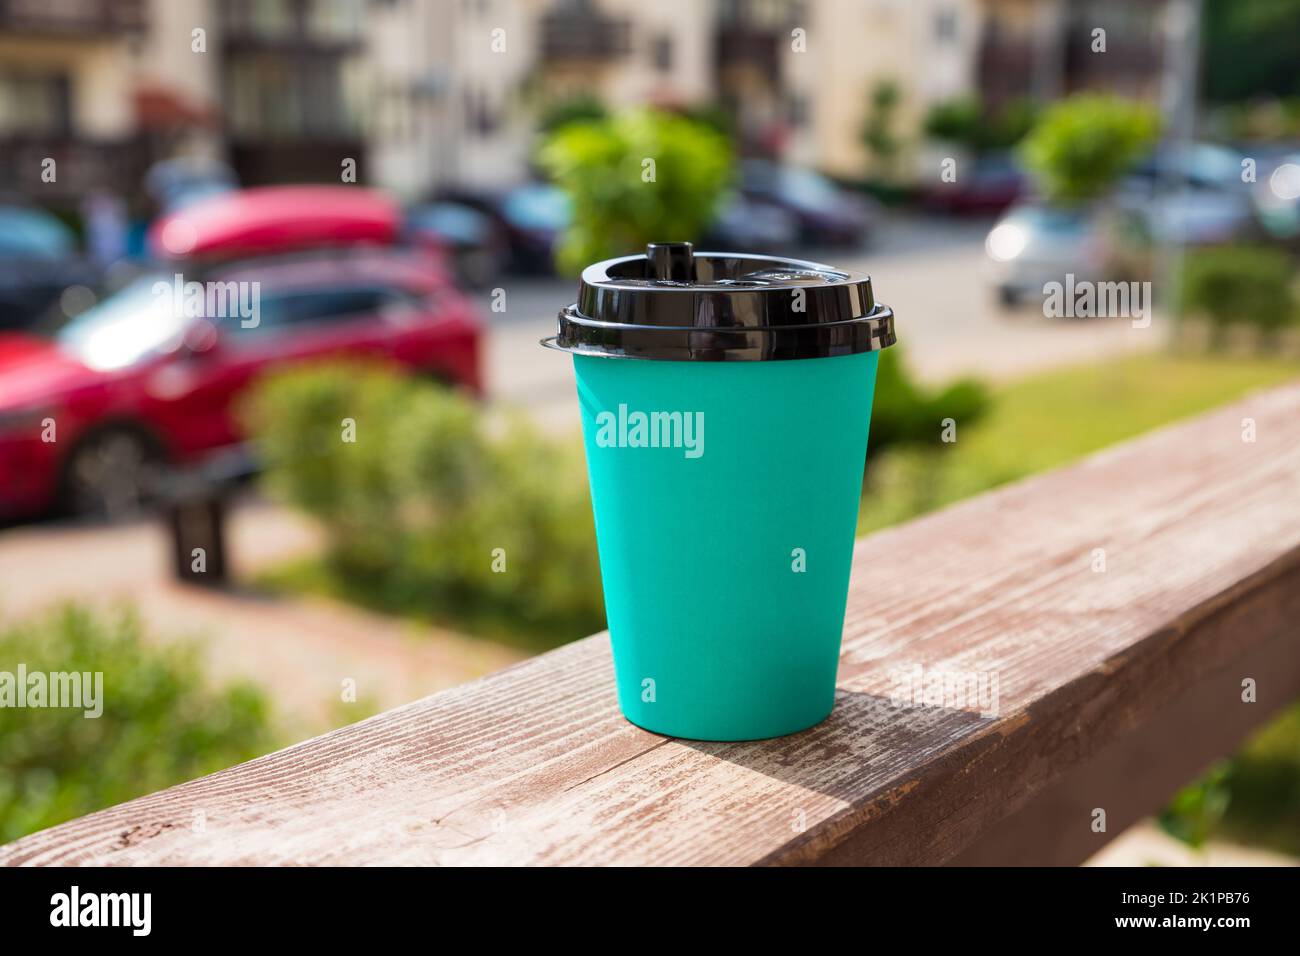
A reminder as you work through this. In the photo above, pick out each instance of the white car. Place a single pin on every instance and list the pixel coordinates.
(1033, 244)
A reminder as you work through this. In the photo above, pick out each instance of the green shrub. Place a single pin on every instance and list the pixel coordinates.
(968, 121)
(1252, 797)
(878, 134)
(1248, 284)
(604, 168)
(957, 120)
(1082, 145)
(1263, 782)
(1193, 814)
(415, 509)
(582, 108)
(161, 723)
(906, 414)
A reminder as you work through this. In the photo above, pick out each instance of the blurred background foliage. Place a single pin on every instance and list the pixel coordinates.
(637, 177)
(1241, 285)
(907, 414)
(878, 129)
(1080, 146)
(1249, 49)
(971, 122)
(416, 508)
(162, 723)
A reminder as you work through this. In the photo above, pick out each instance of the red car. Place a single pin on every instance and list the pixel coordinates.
(151, 376)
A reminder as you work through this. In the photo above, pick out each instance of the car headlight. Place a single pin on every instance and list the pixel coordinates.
(1005, 242)
(1284, 183)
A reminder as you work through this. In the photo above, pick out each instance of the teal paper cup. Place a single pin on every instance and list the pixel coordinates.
(725, 408)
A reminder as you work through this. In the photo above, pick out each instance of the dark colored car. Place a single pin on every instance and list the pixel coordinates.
(528, 219)
(826, 214)
(990, 185)
(746, 225)
(175, 183)
(467, 237)
(151, 377)
(39, 260)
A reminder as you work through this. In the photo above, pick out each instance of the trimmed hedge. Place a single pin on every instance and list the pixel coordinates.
(432, 499)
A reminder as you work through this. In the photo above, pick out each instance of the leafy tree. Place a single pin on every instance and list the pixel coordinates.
(1082, 145)
(878, 130)
(574, 109)
(957, 120)
(713, 115)
(1012, 123)
(1249, 49)
(969, 121)
(638, 177)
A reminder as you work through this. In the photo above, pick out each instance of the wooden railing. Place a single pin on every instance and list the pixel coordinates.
(1127, 610)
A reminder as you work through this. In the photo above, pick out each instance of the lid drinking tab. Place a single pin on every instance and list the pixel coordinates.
(675, 304)
(671, 260)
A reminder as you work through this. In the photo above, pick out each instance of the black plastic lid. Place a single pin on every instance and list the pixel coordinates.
(678, 305)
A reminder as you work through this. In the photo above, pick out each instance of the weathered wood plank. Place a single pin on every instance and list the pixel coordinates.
(1201, 532)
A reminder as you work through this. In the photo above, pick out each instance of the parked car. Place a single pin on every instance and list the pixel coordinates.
(1276, 197)
(528, 220)
(175, 183)
(152, 376)
(39, 260)
(825, 213)
(1192, 195)
(268, 220)
(990, 185)
(746, 225)
(468, 237)
(1034, 243)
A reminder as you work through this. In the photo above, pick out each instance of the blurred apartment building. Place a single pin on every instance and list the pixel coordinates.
(426, 92)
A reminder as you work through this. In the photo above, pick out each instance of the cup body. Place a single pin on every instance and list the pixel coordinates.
(725, 551)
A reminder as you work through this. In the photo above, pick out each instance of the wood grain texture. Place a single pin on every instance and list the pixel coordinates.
(534, 765)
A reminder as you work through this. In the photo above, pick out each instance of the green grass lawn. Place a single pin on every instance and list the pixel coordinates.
(1054, 418)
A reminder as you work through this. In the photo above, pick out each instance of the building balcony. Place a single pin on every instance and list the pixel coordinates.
(1005, 68)
(82, 19)
(84, 165)
(1138, 56)
(749, 46)
(578, 31)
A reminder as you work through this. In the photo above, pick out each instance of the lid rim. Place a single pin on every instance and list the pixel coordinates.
(727, 307)
(870, 333)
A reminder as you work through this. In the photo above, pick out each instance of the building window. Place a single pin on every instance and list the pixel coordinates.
(481, 119)
(945, 25)
(260, 18)
(796, 110)
(334, 19)
(661, 52)
(270, 98)
(35, 103)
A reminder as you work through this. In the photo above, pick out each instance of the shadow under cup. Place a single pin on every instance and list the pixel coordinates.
(726, 400)
(725, 555)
